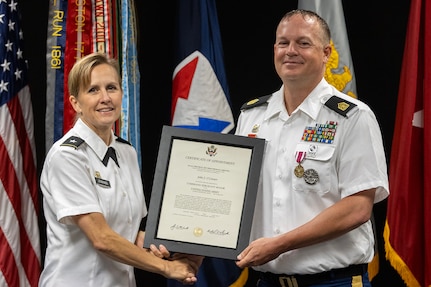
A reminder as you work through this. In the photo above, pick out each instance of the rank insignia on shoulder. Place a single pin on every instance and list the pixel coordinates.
(121, 140)
(73, 141)
(255, 102)
(340, 105)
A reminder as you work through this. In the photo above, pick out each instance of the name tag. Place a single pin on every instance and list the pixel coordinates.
(103, 182)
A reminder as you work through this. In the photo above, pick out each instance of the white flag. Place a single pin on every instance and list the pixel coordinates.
(339, 69)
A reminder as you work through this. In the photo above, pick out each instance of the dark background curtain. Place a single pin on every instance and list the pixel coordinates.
(376, 32)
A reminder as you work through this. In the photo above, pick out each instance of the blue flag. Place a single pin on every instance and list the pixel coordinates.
(200, 97)
(130, 113)
(200, 100)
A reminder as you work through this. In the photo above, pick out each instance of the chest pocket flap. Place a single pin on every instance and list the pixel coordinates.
(316, 151)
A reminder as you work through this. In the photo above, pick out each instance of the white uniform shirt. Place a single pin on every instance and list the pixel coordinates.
(75, 181)
(354, 161)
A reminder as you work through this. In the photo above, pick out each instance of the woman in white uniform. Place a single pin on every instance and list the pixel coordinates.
(93, 196)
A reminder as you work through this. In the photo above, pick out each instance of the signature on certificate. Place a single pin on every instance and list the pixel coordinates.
(218, 232)
(178, 227)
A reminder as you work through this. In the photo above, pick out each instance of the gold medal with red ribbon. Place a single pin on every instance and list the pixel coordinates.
(299, 170)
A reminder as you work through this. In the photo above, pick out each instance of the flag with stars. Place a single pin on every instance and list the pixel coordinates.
(200, 97)
(20, 259)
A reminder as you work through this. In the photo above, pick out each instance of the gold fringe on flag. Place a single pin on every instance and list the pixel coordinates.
(397, 262)
(373, 267)
(242, 279)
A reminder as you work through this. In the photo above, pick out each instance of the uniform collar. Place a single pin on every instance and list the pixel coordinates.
(310, 106)
(92, 139)
(275, 105)
(313, 103)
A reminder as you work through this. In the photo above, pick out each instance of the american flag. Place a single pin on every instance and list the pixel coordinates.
(20, 259)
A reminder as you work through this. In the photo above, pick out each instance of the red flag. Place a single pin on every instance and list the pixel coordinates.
(408, 227)
(78, 44)
(78, 28)
(19, 232)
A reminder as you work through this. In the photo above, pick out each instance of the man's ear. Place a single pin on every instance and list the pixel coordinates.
(327, 51)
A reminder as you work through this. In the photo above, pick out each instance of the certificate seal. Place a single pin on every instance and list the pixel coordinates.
(311, 176)
(198, 232)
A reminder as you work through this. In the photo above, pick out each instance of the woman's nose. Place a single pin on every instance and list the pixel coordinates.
(105, 96)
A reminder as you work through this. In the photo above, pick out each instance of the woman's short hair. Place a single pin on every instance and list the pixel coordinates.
(80, 74)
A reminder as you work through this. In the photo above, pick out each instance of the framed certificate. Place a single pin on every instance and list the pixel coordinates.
(204, 192)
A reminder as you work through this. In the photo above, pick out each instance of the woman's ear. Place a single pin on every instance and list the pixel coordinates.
(74, 102)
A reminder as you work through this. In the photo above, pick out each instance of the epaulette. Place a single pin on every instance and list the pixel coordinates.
(73, 141)
(340, 105)
(255, 102)
(121, 140)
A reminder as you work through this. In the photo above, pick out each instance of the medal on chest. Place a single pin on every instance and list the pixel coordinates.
(299, 170)
(310, 175)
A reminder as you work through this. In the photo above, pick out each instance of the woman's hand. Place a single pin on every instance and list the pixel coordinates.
(177, 260)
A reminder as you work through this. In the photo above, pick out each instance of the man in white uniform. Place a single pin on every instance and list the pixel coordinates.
(324, 167)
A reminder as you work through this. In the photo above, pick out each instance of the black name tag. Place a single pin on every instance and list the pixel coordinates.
(103, 182)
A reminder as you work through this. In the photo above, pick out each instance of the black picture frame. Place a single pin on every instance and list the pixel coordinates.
(254, 147)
